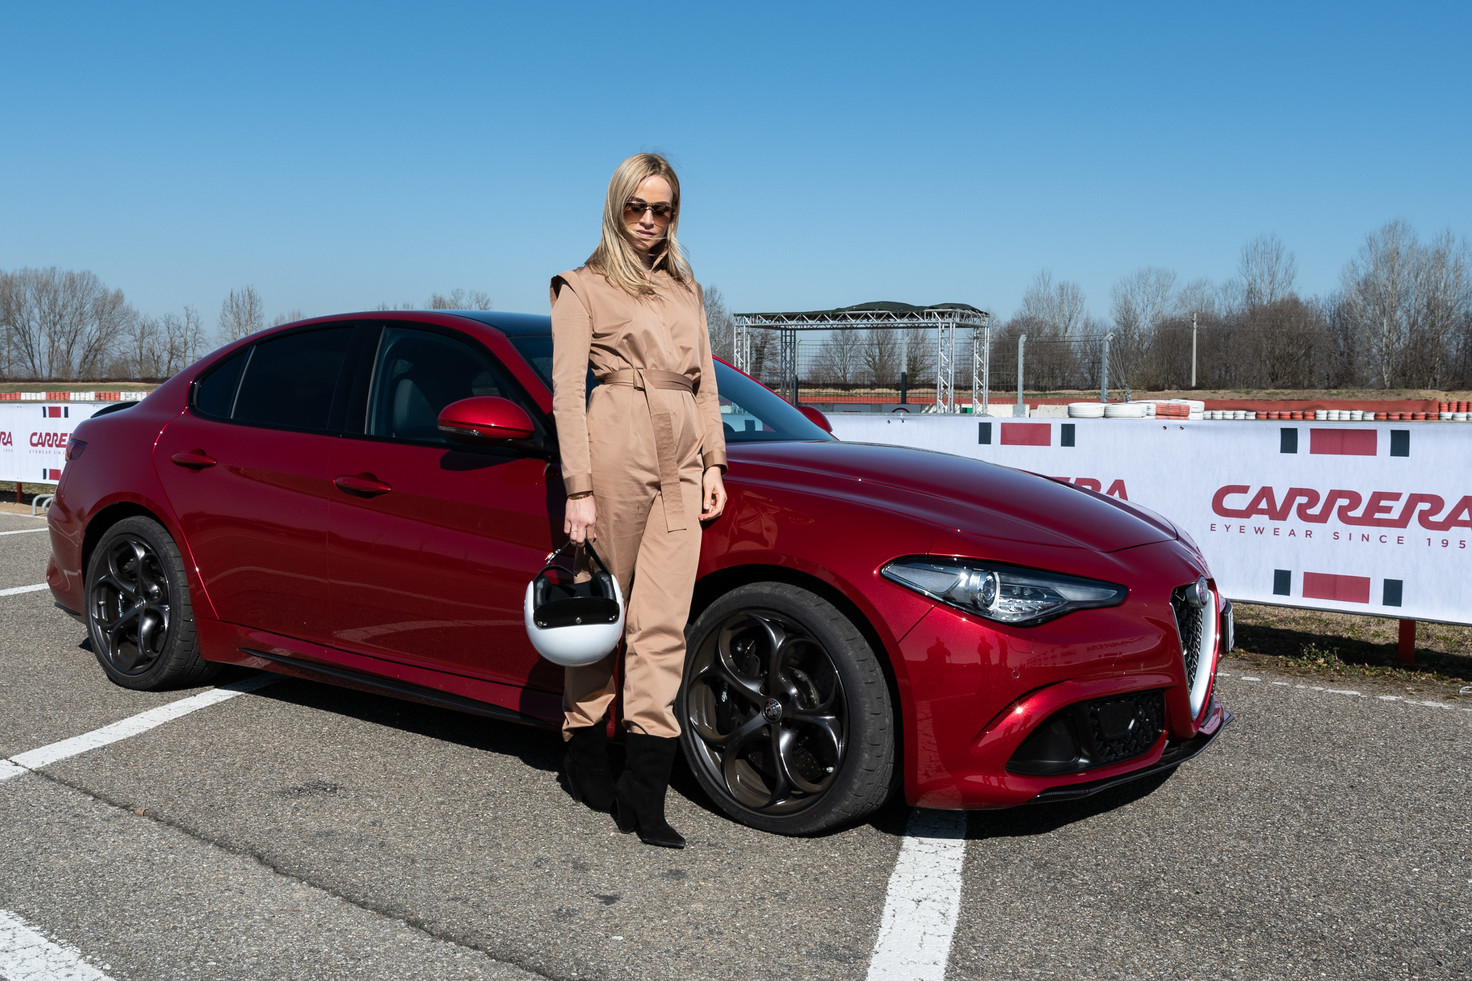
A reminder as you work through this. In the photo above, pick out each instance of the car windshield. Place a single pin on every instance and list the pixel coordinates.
(750, 410)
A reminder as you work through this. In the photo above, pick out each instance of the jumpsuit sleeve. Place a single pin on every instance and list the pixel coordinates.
(708, 401)
(572, 336)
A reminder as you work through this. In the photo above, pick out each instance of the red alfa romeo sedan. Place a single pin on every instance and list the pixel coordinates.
(362, 499)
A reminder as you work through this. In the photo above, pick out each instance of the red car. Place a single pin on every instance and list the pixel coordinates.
(362, 500)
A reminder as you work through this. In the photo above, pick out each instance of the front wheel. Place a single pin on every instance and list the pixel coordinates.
(785, 714)
(139, 616)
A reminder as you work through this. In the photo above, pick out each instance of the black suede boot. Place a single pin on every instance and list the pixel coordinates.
(586, 763)
(639, 801)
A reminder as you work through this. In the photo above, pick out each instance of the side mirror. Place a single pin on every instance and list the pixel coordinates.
(485, 419)
(816, 417)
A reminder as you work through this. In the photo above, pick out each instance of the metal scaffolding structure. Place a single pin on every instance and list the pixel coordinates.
(891, 316)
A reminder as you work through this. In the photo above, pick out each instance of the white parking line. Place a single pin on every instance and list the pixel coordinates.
(17, 590)
(36, 758)
(924, 900)
(23, 531)
(1449, 706)
(26, 955)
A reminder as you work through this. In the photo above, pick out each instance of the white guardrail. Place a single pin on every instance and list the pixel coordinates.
(1358, 517)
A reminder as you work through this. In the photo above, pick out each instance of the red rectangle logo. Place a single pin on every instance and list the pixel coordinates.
(1027, 434)
(1345, 589)
(1342, 442)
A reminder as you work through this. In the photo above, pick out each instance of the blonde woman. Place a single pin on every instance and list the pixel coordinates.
(642, 461)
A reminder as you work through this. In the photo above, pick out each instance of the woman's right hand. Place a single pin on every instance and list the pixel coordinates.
(581, 516)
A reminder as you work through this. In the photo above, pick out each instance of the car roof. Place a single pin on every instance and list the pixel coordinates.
(513, 324)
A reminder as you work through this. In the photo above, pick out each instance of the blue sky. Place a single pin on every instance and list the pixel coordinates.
(337, 156)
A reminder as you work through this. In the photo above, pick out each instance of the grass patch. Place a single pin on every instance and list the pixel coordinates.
(83, 386)
(1344, 645)
(11, 500)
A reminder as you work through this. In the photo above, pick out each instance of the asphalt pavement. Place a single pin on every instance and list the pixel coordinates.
(304, 831)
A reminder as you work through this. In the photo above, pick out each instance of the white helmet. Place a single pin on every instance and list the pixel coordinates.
(575, 623)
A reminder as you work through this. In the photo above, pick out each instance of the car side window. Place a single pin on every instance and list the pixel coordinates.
(214, 391)
(288, 381)
(419, 372)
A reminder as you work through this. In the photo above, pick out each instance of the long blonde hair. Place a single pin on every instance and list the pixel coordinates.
(616, 258)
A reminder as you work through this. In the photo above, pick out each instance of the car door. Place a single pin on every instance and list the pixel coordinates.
(246, 472)
(432, 543)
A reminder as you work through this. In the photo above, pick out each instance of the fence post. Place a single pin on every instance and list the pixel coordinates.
(1104, 371)
(1021, 408)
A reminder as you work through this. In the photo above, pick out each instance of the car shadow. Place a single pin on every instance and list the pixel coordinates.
(542, 749)
(1025, 820)
(538, 748)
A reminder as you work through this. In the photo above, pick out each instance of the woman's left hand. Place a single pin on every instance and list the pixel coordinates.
(714, 499)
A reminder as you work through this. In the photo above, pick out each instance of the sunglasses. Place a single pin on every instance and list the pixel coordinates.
(636, 208)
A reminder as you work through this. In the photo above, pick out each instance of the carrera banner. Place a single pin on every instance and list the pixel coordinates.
(1371, 518)
(33, 438)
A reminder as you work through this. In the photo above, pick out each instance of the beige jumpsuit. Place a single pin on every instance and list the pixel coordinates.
(641, 444)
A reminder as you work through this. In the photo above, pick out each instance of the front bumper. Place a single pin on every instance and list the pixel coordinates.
(1173, 755)
(997, 717)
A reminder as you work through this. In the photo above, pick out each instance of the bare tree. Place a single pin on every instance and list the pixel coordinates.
(241, 314)
(1142, 299)
(60, 324)
(461, 299)
(1443, 301)
(1265, 271)
(139, 350)
(1058, 305)
(918, 354)
(1198, 297)
(1141, 302)
(837, 361)
(12, 323)
(721, 324)
(879, 350)
(1379, 297)
(288, 317)
(182, 340)
(1284, 343)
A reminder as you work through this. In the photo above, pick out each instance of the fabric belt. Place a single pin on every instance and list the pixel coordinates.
(665, 449)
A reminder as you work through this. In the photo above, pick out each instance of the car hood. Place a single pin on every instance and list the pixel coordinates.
(953, 493)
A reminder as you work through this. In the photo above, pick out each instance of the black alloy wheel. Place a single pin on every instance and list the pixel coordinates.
(784, 710)
(139, 617)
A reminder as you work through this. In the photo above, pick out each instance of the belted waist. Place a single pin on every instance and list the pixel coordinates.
(645, 378)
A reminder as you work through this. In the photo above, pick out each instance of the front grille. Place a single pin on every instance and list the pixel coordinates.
(1188, 624)
(1198, 627)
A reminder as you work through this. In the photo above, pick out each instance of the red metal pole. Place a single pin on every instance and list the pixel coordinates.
(1406, 649)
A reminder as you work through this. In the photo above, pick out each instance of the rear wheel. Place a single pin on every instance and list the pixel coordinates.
(785, 715)
(139, 617)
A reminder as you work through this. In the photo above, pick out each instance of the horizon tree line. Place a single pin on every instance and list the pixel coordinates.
(1400, 318)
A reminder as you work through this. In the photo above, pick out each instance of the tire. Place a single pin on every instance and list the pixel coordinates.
(139, 617)
(813, 749)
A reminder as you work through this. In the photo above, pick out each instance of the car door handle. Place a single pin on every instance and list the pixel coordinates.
(362, 484)
(194, 459)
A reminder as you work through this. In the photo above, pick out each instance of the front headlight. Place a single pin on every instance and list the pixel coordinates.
(1005, 593)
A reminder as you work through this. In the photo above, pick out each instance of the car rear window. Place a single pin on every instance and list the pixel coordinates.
(285, 382)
